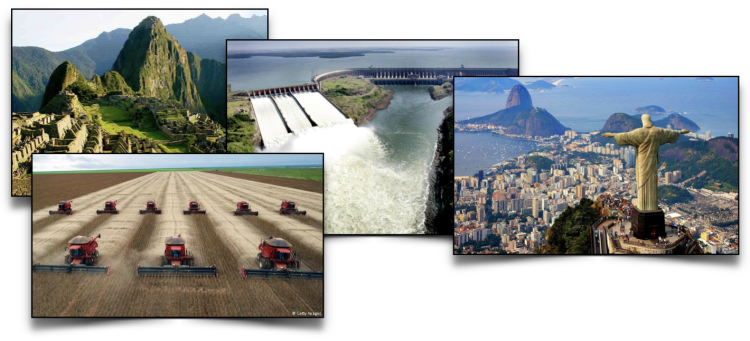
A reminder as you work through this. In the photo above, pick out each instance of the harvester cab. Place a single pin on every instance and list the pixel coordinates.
(243, 208)
(289, 207)
(150, 208)
(81, 257)
(63, 207)
(110, 207)
(194, 208)
(177, 261)
(276, 259)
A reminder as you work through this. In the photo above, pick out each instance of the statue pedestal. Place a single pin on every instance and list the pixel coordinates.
(648, 224)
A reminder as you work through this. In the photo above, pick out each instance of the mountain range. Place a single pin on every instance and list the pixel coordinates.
(485, 84)
(203, 36)
(151, 63)
(520, 117)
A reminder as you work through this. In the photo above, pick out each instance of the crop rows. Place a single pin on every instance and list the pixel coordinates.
(123, 293)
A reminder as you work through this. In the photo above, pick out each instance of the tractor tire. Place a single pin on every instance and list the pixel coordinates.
(164, 260)
(260, 256)
(89, 261)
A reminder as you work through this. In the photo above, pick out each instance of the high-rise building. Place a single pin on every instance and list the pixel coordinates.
(545, 217)
(669, 127)
(535, 209)
(480, 213)
(708, 134)
(480, 176)
(579, 192)
(731, 135)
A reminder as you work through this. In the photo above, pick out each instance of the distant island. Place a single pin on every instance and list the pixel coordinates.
(650, 109)
(494, 85)
(540, 86)
(704, 79)
(326, 54)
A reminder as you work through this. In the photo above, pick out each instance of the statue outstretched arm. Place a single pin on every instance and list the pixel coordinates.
(684, 131)
(608, 135)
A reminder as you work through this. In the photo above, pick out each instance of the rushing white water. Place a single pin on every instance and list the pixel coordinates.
(320, 110)
(365, 192)
(272, 127)
(295, 119)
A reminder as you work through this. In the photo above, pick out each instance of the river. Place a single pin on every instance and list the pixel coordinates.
(377, 176)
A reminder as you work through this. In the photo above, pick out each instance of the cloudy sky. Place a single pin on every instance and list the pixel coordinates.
(58, 30)
(299, 44)
(77, 162)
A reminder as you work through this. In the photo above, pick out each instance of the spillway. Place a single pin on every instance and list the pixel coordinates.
(271, 125)
(321, 111)
(295, 118)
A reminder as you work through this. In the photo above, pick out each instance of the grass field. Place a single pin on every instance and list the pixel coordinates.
(354, 97)
(178, 148)
(314, 174)
(241, 131)
(115, 120)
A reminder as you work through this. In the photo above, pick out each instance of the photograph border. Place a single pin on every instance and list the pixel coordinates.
(627, 255)
(518, 52)
(268, 26)
(31, 254)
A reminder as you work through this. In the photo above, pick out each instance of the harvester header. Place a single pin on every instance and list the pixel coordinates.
(81, 257)
(64, 207)
(110, 207)
(194, 208)
(150, 208)
(289, 207)
(177, 261)
(243, 208)
(277, 260)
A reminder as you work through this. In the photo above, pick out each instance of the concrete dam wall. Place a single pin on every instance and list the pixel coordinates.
(281, 114)
(409, 76)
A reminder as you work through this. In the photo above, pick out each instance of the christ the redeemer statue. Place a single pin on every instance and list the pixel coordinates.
(647, 141)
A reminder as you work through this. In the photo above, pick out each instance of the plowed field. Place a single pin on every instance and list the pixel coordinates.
(219, 237)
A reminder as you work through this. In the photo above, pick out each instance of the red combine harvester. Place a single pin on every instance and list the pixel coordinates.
(177, 260)
(64, 207)
(150, 208)
(289, 207)
(81, 257)
(276, 259)
(194, 208)
(110, 207)
(243, 208)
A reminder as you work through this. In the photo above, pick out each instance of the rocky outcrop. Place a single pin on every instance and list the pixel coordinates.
(112, 81)
(518, 96)
(439, 214)
(63, 76)
(154, 64)
(677, 122)
(210, 77)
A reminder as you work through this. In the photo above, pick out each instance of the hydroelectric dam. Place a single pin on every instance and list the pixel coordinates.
(285, 111)
(413, 76)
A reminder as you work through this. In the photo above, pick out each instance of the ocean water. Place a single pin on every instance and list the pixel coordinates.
(269, 72)
(475, 151)
(714, 106)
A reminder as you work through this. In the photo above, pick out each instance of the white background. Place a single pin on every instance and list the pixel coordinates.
(412, 287)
